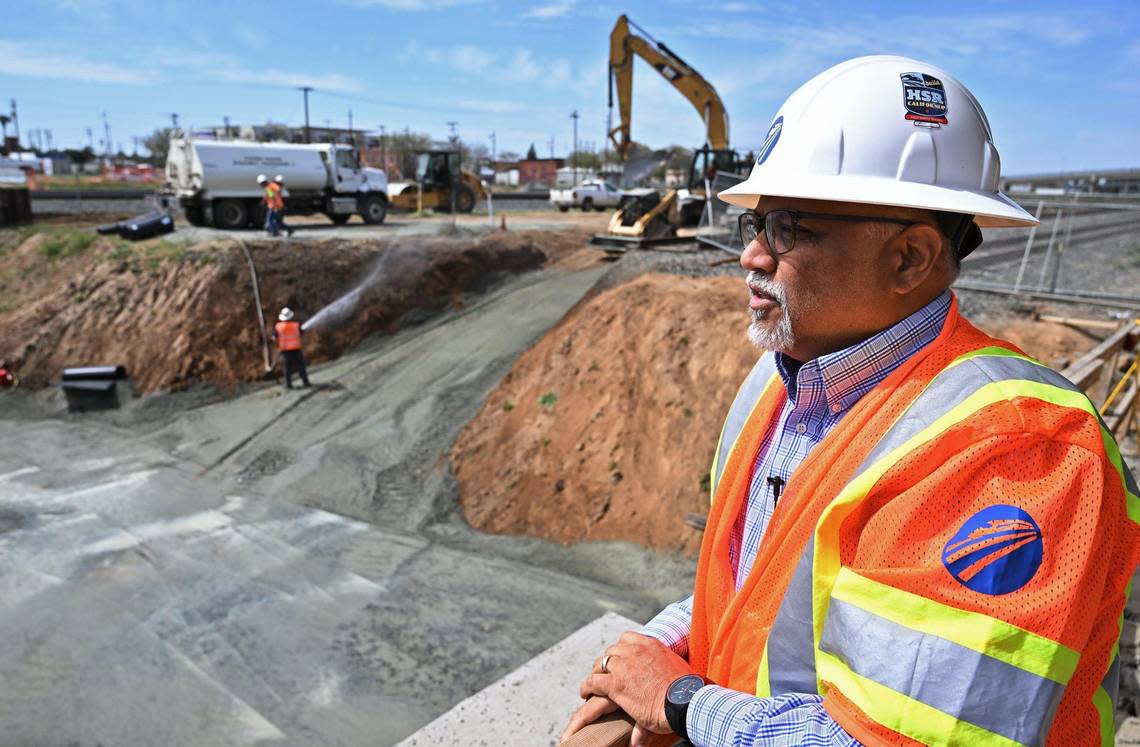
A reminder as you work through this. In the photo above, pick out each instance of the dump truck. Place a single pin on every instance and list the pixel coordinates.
(440, 183)
(215, 181)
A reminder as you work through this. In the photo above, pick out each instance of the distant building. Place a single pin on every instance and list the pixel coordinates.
(568, 176)
(540, 170)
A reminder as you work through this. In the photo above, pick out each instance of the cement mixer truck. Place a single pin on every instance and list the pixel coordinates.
(215, 181)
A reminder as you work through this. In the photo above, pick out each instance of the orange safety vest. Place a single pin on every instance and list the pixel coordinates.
(288, 336)
(948, 566)
(273, 199)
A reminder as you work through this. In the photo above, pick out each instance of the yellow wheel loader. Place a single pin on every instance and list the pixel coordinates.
(440, 185)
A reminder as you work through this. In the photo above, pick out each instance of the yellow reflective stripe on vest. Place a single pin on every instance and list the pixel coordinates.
(983, 669)
(907, 716)
(1106, 716)
(763, 689)
(986, 635)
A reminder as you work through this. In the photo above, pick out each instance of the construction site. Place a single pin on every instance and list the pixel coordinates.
(502, 461)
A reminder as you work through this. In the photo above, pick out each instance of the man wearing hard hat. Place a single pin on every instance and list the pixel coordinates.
(918, 534)
(287, 333)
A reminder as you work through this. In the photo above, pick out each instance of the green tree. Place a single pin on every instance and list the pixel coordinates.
(584, 160)
(531, 154)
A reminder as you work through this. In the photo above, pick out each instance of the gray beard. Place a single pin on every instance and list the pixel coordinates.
(778, 338)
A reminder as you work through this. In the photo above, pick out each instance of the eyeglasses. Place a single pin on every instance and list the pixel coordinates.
(779, 226)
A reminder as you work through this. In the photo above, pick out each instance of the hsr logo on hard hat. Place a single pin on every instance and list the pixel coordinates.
(770, 140)
(924, 98)
(997, 550)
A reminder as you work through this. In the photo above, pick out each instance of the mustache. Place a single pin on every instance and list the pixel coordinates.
(765, 285)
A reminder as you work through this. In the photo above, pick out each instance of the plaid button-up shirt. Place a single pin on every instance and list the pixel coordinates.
(820, 393)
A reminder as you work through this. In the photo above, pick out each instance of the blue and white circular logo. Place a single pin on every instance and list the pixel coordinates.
(770, 140)
(997, 550)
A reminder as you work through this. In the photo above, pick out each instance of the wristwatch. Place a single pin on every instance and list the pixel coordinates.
(677, 698)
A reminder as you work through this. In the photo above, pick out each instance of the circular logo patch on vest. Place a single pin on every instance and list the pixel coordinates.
(997, 550)
(770, 140)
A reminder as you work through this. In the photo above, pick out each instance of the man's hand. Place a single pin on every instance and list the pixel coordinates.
(587, 713)
(639, 671)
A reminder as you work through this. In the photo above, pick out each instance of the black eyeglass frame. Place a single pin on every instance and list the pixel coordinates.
(798, 215)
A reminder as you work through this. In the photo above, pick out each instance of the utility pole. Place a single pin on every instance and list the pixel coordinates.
(574, 155)
(16, 122)
(48, 134)
(226, 119)
(107, 134)
(551, 143)
(136, 139)
(305, 90)
(91, 142)
(493, 159)
(383, 149)
(351, 134)
(454, 136)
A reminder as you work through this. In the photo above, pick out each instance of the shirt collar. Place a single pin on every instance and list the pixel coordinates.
(850, 373)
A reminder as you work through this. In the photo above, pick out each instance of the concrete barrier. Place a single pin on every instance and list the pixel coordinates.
(532, 705)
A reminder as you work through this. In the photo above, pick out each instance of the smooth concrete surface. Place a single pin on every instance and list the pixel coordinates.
(531, 705)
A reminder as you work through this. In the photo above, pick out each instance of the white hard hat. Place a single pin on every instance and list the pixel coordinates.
(279, 179)
(262, 178)
(286, 314)
(883, 130)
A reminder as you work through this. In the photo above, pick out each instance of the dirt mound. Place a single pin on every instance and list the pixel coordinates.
(605, 429)
(175, 316)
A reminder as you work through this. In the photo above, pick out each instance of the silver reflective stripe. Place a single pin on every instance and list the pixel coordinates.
(791, 651)
(746, 398)
(1111, 681)
(953, 386)
(956, 680)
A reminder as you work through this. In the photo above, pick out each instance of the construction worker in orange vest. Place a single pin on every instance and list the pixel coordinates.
(918, 534)
(287, 333)
(274, 205)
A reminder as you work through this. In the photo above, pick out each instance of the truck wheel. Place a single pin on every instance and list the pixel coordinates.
(600, 208)
(464, 199)
(373, 209)
(194, 216)
(339, 218)
(564, 208)
(257, 214)
(587, 204)
(230, 214)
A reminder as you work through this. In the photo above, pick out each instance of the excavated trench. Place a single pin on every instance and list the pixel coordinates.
(177, 317)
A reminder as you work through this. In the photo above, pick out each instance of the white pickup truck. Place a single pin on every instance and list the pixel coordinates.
(594, 194)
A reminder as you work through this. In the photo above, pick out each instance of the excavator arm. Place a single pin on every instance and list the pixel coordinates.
(624, 44)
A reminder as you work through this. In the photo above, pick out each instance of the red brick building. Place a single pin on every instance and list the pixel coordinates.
(541, 170)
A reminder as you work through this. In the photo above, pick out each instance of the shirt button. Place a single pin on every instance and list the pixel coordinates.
(801, 428)
(836, 408)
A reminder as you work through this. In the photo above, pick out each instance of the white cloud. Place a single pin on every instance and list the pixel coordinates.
(35, 60)
(550, 10)
(522, 68)
(470, 59)
(737, 8)
(327, 82)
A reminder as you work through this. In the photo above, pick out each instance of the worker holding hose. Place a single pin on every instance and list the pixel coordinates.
(287, 333)
(918, 534)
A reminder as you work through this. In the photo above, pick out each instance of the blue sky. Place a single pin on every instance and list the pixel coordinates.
(1060, 82)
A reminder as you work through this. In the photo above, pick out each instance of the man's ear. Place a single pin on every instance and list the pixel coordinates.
(915, 254)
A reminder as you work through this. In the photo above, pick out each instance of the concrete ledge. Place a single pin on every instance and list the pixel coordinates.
(531, 705)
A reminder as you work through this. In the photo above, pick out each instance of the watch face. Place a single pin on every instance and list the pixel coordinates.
(683, 689)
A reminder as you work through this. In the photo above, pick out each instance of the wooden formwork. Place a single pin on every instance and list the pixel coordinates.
(1115, 363)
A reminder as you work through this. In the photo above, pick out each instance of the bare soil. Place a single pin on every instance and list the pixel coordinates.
(605, 429)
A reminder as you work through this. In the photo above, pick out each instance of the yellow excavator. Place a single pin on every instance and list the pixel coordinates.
(646, 213)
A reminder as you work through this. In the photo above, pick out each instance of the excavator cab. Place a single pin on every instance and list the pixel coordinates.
(707, 161)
